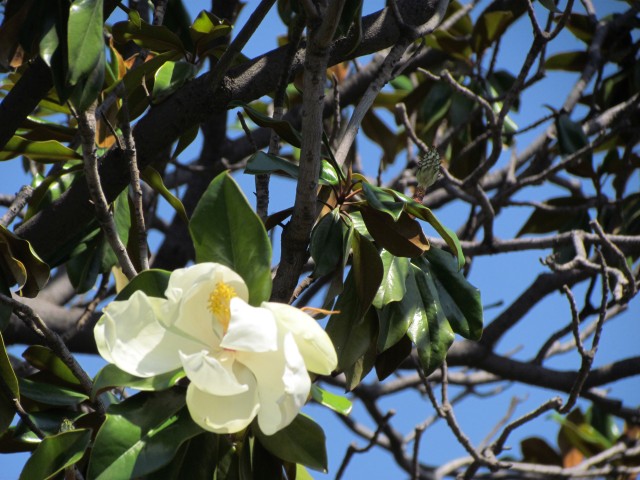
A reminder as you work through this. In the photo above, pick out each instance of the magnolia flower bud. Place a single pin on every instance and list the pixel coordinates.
(428, 168)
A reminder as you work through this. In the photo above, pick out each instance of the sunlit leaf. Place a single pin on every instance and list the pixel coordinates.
(56, 453)
(48, 151)
(85, 38)
(7, 411)
(303, 442)
(225, 229)
(112, 376)
(337, 403)
(151, 176)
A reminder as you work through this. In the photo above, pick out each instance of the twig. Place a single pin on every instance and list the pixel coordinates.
(619, 256)
(353, 448)
(18, 203)
(130, 151)
(87, 128)
(15, 401)
(235, 47)
(159, 11)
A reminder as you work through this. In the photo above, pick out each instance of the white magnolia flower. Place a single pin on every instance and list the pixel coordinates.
(242, 361)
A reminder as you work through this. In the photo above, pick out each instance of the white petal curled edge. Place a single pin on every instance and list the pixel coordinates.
(130, 335)
(222, 414)
(283, 384)
(183, 279)
(251, 329)
(214, 374)
(315, 345)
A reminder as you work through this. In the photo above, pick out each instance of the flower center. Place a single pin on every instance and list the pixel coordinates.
(220, 302)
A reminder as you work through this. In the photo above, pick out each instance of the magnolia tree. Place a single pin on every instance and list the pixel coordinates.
(213, 344)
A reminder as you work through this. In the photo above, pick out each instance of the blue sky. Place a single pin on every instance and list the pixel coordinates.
(500, 278)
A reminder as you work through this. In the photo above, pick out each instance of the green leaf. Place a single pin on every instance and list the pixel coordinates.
(48, 151)
(45, 360)
(156, 38)
(141, 434)
(84, 38)
(337, 403)
(7, 411)
(20, 264)
(89, 87)
(403, 238)
(5, 310)
(260, 163)
(327, 242)
(388, 361)
(567, 61)
(447, 235)
(460, 301)
(489, 26)
(303, 442)
(49, 394)
(544, 221)
(572, 138)
(392, 288)
(367, 269)
(396, 317)
(429, 330)
(112, 376)
(56, 453)
(351, 330)
(170, 77)
(225, 229)
(283, 128)
(154, 180)
(382, 200)
(184, 141)
(153, 282)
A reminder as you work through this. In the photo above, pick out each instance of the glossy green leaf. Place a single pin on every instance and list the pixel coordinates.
(153, 282)
(447, 234)
(134, 77)
(392, 288)
(48, 151)
(112, 376)
(84, 38)
(327, 242)
(403, 238)
(362, 365)
(283, 128)
(225, 229)
(141, 434)
(367, 269)
(56, 453)
(396, 317)
(351, 330)
(205, 32)
(151, 176)
(567, 61)
(460, 301)
(382, 200)
(189, 459)
(387, 362)
(88, 88)
(7, 411)
(83, 269)
(603, 422)
(21, 265)
(582, 27)
(156, 38)
(303, 442)
(45, 360)
(170, 77)
(261, 163)
(49, 394)
(5, 310)
(185, 140)
(337, 403)
(429, 331)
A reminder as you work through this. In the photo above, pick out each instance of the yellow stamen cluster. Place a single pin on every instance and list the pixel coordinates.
(219, 303)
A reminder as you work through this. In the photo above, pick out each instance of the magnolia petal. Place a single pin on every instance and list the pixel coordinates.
(251, 329)
(219, 414)
(129, 335)
(283, 384)
(213, 374)
(184, 279)
(313, 342)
